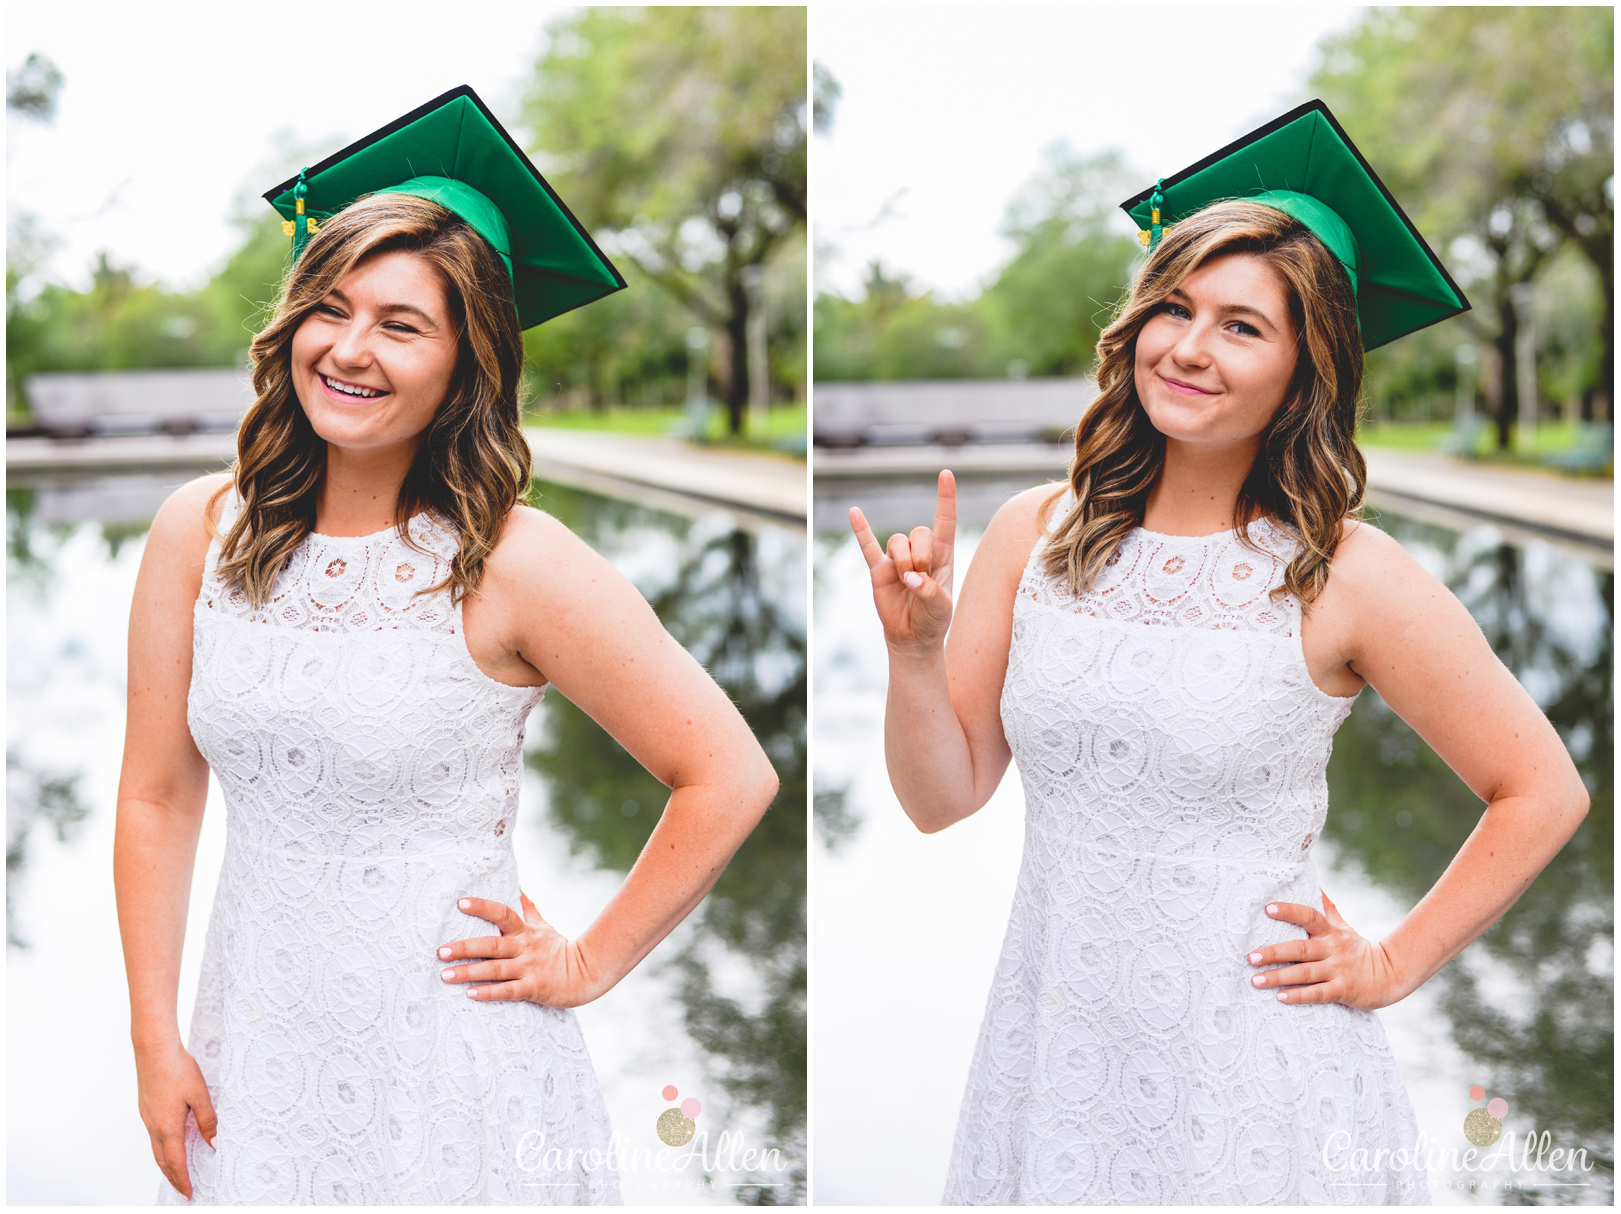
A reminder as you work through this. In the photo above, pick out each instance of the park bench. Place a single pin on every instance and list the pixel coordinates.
(1594, 450)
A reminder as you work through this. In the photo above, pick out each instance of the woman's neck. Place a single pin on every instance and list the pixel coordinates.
(360, 490)
(1198, 486)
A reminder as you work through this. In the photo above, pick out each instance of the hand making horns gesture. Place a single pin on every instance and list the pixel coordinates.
(911, 583)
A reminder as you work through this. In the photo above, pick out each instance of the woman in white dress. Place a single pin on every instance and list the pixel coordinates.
(349, 629)
(1166, 646)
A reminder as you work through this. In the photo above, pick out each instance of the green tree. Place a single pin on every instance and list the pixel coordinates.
(1043, 311)
(32, 89)
(1048, 305)
(1496, 127)
(892, 333)
(678, 137)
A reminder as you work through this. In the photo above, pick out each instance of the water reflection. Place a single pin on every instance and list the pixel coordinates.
(1535, 1011)
(733, 598)
(35, 797)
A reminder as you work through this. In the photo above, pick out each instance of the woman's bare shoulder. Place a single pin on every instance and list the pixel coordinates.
(1375, 582)
(535, 550)
(186, 520)
(1027, 515)
(1365, 554)
(1021, 523)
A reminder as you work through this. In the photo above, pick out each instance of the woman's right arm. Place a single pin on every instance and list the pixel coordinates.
(943, 739)
(161, 792)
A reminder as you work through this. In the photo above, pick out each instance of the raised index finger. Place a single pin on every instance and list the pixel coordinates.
(945, 518)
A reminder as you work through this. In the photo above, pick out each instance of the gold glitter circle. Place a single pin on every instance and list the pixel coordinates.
(1481, 1128)
(676, 1130)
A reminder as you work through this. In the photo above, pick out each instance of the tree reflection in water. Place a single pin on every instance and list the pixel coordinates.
(1540, 1023)
(735, 618)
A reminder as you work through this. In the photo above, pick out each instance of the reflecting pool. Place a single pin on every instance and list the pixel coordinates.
(717, 1011)
(908, 927)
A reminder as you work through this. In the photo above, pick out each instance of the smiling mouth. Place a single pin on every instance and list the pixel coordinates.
(358, 391)
(1182, 389)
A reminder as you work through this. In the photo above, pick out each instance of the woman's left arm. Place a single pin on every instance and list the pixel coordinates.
(570, 615)
(1405, 633)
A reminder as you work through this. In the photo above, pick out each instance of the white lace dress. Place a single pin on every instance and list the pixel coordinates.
(1172, 747)
(370, 773)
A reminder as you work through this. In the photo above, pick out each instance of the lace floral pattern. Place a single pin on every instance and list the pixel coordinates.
(370, 773)
(1172, 748)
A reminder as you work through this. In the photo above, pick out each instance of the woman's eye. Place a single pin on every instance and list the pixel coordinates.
(397, 327)
(1177, 310)
(327, 310)
(1245, 330)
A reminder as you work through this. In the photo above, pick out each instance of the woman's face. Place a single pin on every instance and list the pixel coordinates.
(373, 362)
(1214, 363)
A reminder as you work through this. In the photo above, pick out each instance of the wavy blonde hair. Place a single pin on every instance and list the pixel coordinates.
(473, 463)
(1308, 475)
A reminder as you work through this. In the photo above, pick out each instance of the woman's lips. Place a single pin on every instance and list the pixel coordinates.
(1182, 389)
(348, 397)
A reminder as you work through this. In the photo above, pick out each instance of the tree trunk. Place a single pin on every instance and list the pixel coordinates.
(1506, 369)
(1606, 367)
(737, 387)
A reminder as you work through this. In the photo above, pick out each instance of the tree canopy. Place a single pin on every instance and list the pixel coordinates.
(1042, 313)
(1496, 129)
(678, 137)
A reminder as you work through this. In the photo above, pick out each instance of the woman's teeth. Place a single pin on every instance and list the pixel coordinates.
(349, 389)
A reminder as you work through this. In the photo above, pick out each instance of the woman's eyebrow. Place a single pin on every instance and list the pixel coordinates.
(338, 295)
(1246, 310)
(1226, 309)
(405, 307)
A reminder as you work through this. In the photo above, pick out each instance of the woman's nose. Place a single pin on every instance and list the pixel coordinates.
(350, 347)
(1193, 345)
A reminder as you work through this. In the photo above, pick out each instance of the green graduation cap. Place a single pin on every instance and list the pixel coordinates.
(453, 151)
(1304, 165)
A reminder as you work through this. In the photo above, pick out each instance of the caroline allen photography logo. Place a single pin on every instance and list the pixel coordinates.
(676, 1127)
(1483, 1127)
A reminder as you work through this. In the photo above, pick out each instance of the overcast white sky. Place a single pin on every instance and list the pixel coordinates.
(953, 106)
(169, 113)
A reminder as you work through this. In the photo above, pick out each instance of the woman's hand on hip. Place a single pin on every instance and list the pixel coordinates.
(530, 959)
(911, 582)
(170, 1085)
(1332, 965)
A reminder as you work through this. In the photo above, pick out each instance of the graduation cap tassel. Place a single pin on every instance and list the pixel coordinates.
(1155, 228)
(301, 225)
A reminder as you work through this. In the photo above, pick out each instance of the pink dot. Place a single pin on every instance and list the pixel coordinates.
(670, 1093)
(1497, 1107)
(1477, 1093)
(690, 1107)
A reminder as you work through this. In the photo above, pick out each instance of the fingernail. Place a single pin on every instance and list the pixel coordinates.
(1271, 910)
(447, 975)
(1255, 958)
(472, 992)
(912, 580)
(1283, 997)
(1259, 980)
(466, 903)
(444, 953)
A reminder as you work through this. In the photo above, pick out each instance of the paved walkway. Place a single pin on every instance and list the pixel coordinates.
(663, 471)
(770, 485)
(1581, 509)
